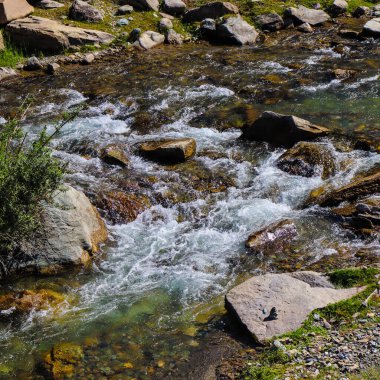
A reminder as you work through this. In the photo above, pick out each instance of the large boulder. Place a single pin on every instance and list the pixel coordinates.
(47, 35)
(236, 31)
(70, 233)
(372, 27)
(83, 11)
(303, 15)
(270, 22)
(210, 10)
(359, 188)
(14, 9)
(174, 7)
(142, 5)
(149, 40)
(273, 237)
(308, 159)
(282, 130)
(169, 151)
(293, 295)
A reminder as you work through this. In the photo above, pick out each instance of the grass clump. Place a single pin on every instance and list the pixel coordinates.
(347, 278)
(369, 374)
(10, 57)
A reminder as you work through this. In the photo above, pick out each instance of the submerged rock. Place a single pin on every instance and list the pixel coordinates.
(14, 9)
(47, 35)
(236, 31)
(60, 362)
(122, 207)
(303, 15)
(357, 189)
(83, 11)
(294, 295)
(272, 237)
(211, 10)
(372, 28)
(70, 234)
(282, 130)
(308, 159)
(169, 151)
(19, 303)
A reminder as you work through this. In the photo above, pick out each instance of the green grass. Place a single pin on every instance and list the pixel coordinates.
(346, 278)
(10, 57)
(369, 374)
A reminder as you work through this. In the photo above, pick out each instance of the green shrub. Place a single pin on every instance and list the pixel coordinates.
(29, 175)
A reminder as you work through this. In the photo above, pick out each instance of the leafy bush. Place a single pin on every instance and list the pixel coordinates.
(29, 175)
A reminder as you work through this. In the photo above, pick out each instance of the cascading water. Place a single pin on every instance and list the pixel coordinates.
(147, 299)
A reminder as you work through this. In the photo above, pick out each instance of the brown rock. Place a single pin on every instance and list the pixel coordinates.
(343, 74)
(169, 151)
(282, 130)
(357, 189)
(114, 155)
(43, 34)
(308, 159)
(14, 9)
(272, 237)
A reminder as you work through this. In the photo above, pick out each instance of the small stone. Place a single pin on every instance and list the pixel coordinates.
(88, 59)
(52, 68)
(305, 28)
(33, 64)
(122, 22)
(124, 10)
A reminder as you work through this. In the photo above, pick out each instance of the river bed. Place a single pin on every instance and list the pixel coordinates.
(148, 303)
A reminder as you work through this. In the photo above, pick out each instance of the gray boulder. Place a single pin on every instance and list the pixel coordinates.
(338, 7)
(149, 40)
(49, 4)
(70, 233)
(51, 36)
(372, 28)
(173, 38)
(282, 130)
(270, 22)
(294, 296)
(82, 11)
(165, 24)
(142, 5)
(123, 10)
(236, 31)
(14, 9)
(174, 7)
(361, 11)
(210, 10)
(302, 15)
(5, 73)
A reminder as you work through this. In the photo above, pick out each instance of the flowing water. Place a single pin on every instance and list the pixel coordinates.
(145, 307)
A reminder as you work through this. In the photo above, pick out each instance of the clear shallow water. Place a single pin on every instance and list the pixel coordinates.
(153, 295)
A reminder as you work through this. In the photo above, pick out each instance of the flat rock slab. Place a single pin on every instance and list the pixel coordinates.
(13, 9)
(38, 33)
(294, 295)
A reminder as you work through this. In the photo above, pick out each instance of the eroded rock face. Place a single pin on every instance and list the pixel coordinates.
(142, 5)
(282, 130)
(83, 11)
(272, 237)
(51, 36)
(210, 10)
(349, 193)
(308, 159)
(169, 151)
(294, 296)
(372, 28)
(303, 15)
(14, 9)
(236, 31)
(70, 234)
